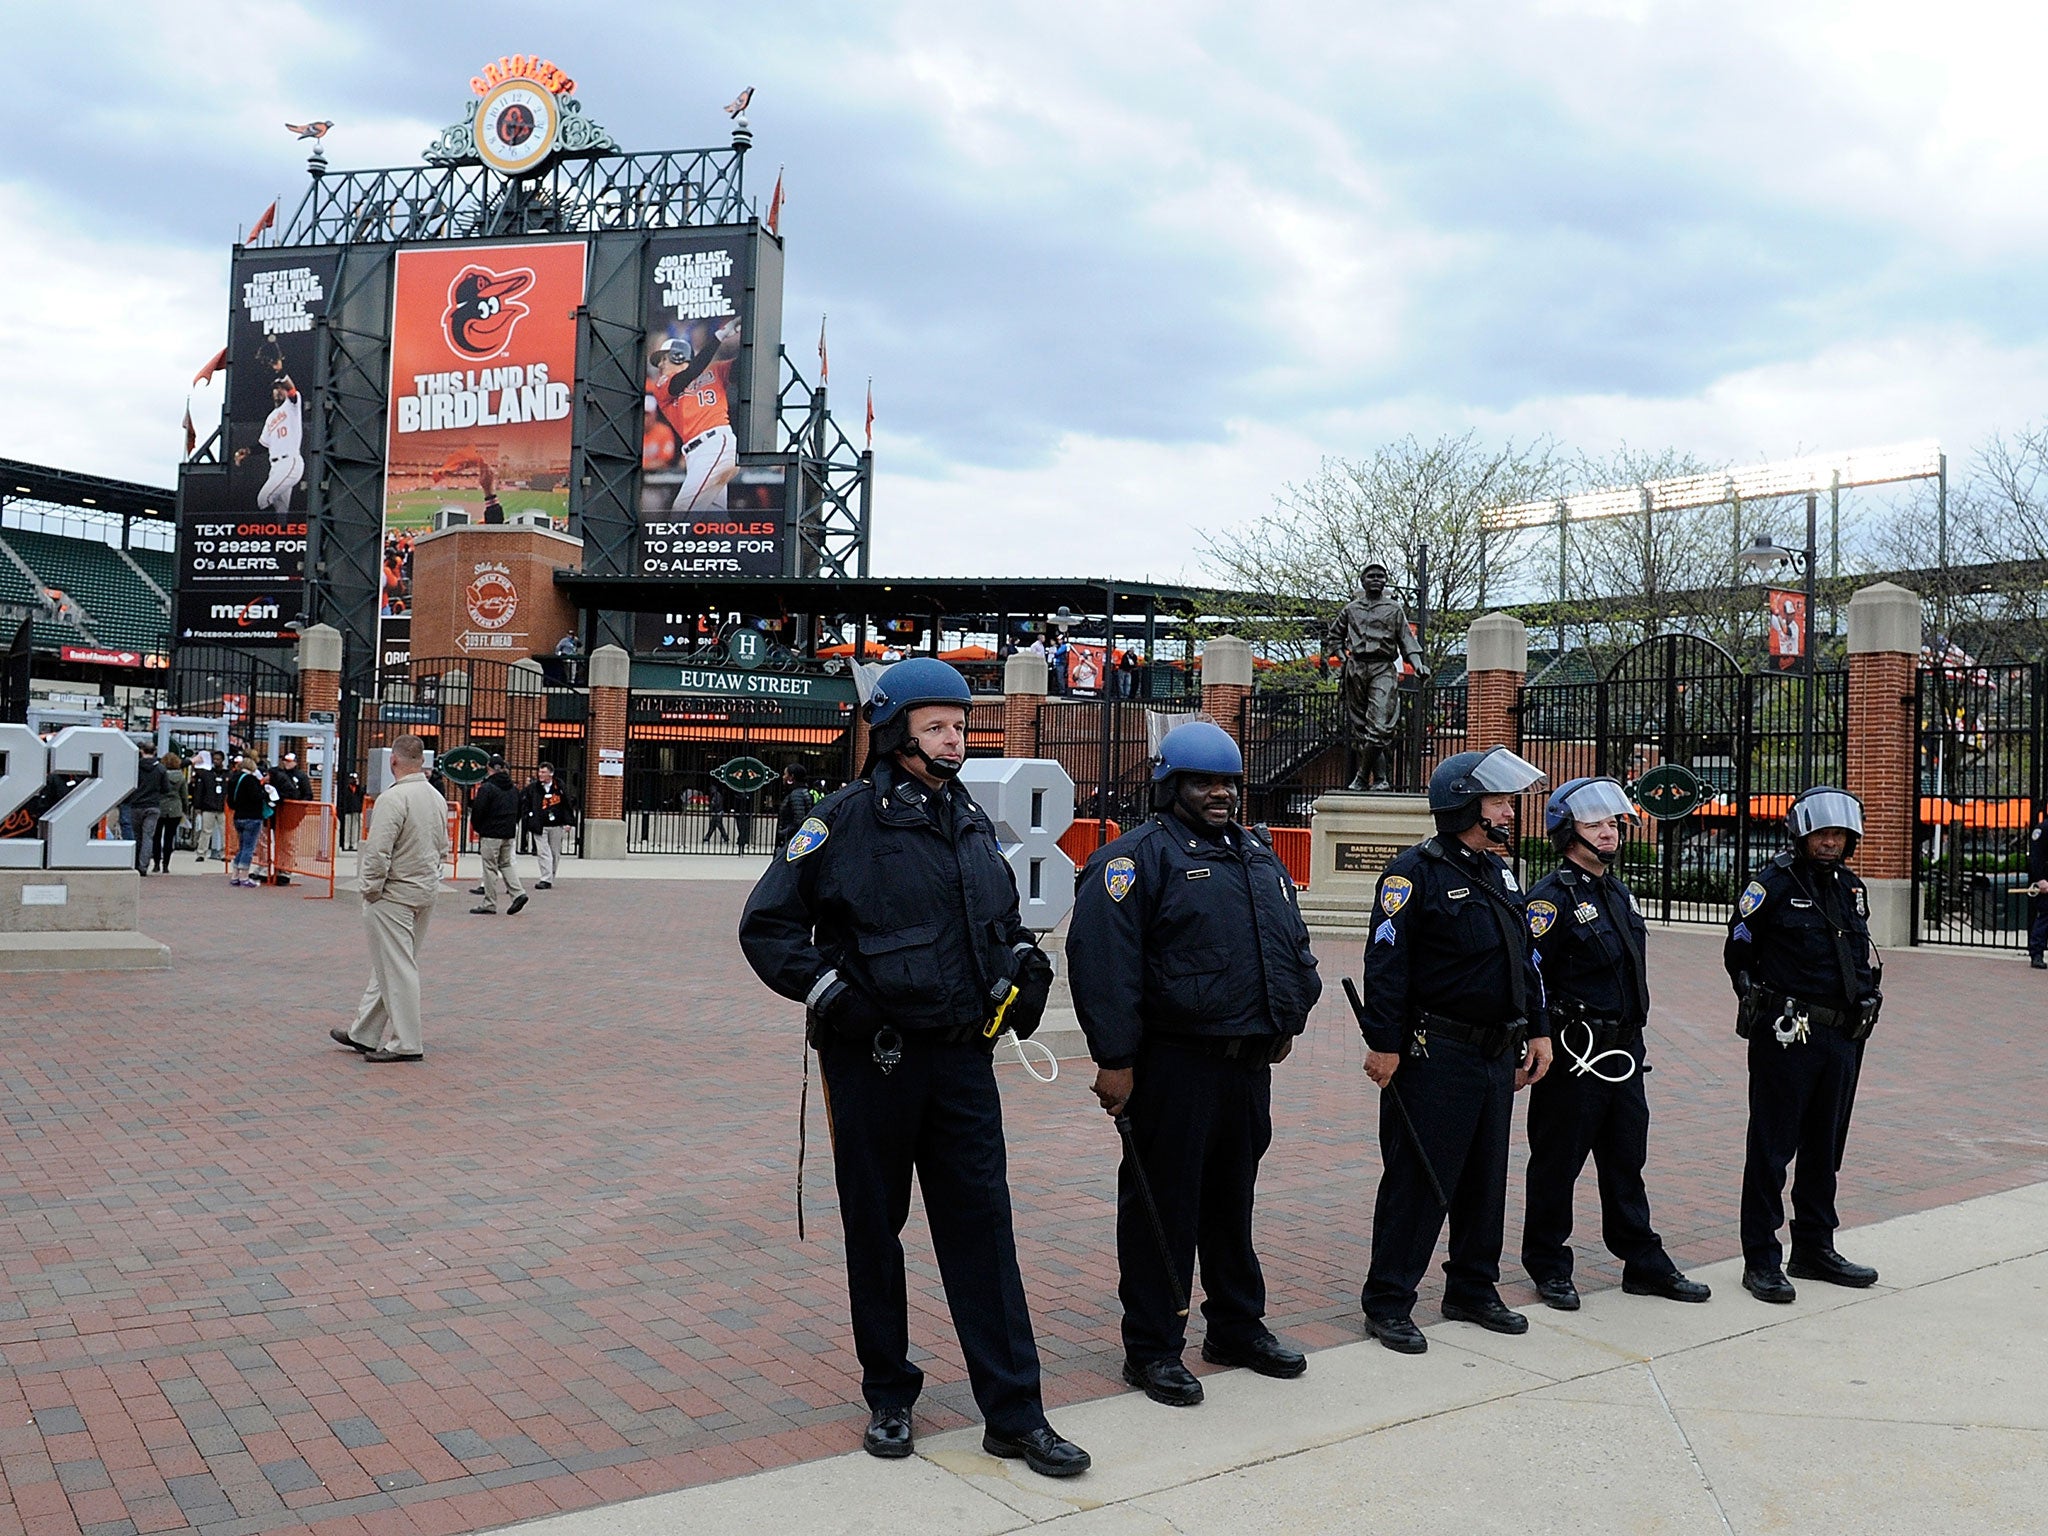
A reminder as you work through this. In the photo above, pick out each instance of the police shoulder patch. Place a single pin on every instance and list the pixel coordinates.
(1394, 893)
(1541, 915)
(1753, 896)
(809, 838)
(1118, 876)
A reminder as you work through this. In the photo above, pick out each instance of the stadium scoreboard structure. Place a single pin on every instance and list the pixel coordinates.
(531, 326)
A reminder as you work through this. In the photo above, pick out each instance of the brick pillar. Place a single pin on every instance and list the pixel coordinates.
(1884, 649)
(522, 716)
(1496, 662)
(604, 797)
(1226, 682)
(320, 671)
(1024, 685)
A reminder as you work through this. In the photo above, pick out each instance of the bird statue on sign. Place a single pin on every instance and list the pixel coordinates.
(310, 130)
(738, 104)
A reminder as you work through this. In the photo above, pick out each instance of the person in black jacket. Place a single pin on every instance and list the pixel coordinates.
(209, 801)
(248, 803)
(797, 800)
(494, 815)
(1453, 1005)
(892, 915)
(1192, 975)
(2037, 887)
(348, 808)
(1800, 957)
(144, 805)
(547, 814)
(1592, 939)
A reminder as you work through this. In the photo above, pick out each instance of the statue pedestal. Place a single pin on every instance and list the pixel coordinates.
(74, 920)
(1353, 836)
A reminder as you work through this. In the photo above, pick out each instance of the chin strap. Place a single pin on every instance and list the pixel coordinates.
(938, 767)
(1502, 835)
(1606, 859)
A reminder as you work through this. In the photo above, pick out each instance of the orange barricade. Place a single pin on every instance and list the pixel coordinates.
(298, 839)
(1085, 836)
(1291, 843)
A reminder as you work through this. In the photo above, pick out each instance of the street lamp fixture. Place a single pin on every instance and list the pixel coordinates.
(1763, 552)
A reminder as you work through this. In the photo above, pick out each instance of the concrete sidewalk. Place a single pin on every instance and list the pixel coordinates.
(1918, 1406)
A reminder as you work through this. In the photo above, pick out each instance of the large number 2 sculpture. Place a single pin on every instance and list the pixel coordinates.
(105, 759)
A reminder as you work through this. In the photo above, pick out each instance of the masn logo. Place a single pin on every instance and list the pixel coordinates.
(245, 613)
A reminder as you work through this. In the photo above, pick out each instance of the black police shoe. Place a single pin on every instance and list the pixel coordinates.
(1672, 1287)
(1489, 1314)
(1164, 1381)
(1768, 1285)
(518, 904)
(1265, 1354)
(888, 1434)
(1040, 1449)
(1398, 1333)
(1826, 1264)
(342, 1037)
(1559, 1295)
(477, 890)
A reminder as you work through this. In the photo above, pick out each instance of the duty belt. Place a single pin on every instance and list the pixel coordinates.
(1855, 1022)
(1607, 1031)
(1487, 1039)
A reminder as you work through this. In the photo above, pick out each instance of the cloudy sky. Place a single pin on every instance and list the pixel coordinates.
(1120, 271)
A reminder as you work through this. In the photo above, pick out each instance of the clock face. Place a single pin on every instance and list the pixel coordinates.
(515, 126)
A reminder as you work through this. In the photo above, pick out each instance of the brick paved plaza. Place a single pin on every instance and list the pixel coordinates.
(251, 1283)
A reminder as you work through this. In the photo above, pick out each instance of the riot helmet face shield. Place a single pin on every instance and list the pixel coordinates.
(1594, 814)
(1821, 811)
(1502, 772)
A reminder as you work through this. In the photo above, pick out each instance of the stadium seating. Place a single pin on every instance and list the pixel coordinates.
(118, 608)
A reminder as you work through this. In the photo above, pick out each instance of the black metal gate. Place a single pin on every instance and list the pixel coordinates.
(1683, 699)
(1297, 746)
(1982, 741)
(673, 801)
(249, 686)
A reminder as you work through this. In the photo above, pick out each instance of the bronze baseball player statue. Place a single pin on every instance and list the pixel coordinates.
(1371, 633)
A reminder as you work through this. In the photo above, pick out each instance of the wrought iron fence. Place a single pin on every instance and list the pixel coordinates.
(675, 803)
(1297, 746)
(1682, 699)
(1106, 746)
(1982, 742)
(249, 687)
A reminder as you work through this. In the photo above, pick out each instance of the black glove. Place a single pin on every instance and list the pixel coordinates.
(843, 1013)
(1034, 987)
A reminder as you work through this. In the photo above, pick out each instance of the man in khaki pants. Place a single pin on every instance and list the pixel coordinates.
(400, 876)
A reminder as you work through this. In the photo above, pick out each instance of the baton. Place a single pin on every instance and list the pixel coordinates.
(1401, 1109)
(1180, 1298)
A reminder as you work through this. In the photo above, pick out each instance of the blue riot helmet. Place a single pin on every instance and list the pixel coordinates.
(1821, 808)
(1462, 778)
(1201, 747)
(1584, 800)
(899, 690)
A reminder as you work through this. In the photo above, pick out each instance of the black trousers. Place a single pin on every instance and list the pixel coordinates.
(2037, 926)
(1570, 1117)
(1800, 1099)
(1200, 1123)
(938, 1114)
(1462, 1104)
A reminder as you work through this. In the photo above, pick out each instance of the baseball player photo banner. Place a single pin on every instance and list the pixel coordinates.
(1785, 635)
(695, 350)
(483, 386)
(278, 301)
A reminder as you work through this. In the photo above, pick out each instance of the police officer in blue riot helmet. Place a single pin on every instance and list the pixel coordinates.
(892, 916)
(1592, 939)
(1454, 1026)
(1807, 976)
(1191, 976)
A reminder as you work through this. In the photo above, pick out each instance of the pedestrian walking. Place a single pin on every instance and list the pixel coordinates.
(249, 802)
(171, 810)
(1809, 987)
(1453, 1009)
(494, 814)
(892, 916)
(144, 806)
(797, 800)
(1592, 941)
(209, 801)
(2037, 888)
(547, 815)
(403, 850)
(1192, 976)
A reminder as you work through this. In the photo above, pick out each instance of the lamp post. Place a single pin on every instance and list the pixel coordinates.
(1764, 553)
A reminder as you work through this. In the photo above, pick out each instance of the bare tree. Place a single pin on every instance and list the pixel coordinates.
(1387, 507)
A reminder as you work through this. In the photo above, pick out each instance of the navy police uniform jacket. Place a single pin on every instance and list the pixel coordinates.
(1176, 932)
(1450, 936)
(897, 889)
(1591, 936)
(1785, 930)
